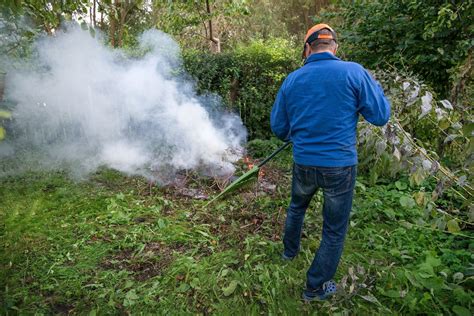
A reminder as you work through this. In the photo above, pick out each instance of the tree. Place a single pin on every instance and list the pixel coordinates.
(430, 37)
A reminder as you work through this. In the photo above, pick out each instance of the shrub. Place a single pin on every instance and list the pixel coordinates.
(247, 78)
(426, 37)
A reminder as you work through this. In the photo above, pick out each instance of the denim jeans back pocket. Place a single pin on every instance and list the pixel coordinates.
(304, 179)
(338, 179)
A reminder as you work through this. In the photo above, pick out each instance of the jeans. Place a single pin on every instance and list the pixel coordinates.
(337, 184)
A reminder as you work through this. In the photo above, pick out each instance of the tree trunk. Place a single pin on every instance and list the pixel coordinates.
(112, 23)
(123, 15)
(94, 8)
(214, 40)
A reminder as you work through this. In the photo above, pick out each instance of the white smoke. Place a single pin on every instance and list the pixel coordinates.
(84, 105)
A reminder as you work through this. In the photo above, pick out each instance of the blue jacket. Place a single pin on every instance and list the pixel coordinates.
(318, 107)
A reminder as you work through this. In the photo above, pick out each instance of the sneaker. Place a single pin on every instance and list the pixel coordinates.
(323, 293)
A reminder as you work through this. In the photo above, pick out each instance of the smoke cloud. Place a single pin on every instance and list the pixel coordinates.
(82, 105)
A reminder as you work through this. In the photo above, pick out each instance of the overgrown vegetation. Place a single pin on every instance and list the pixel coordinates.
(116, 244)
(429, 38)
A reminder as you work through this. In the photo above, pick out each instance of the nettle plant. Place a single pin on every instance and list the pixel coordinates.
(431, 141)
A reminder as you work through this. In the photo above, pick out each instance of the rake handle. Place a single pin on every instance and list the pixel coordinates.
(274, 154)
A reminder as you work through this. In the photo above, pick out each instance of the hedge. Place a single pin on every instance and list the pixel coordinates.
(247, 79)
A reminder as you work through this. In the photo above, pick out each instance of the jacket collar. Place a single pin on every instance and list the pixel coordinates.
(319, 56)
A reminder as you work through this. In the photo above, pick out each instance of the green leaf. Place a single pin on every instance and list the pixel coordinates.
(434, 283)
(407, 202)
(461, 311)
(131, 295)
(2, 133)
(444, 124)
(401, 185)
(433, 261)
(231, 288)
(409, 275)
(468, 129)
(161, 223)
(453, 226)
(392, 293)
(184, 287)
(224, 272)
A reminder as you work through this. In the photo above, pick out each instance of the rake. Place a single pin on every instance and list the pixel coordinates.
(248, 176)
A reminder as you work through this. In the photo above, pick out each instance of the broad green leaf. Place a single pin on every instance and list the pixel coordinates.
(407, 201)
(409, 275)
(161, 223)
(468, 129)
(401, 185)
(461, 311)
(392, 293)
(231, 288)
(453, 226)
(184, 287)
(2, 133)
(433, 261)
(461, 296)
(425, 271)
(434, 283)
(444, 124)
(131, 295)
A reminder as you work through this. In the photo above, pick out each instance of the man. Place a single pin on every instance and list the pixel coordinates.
(317, 108)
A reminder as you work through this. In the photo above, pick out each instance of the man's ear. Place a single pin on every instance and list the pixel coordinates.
(335, 49)
(307, 50)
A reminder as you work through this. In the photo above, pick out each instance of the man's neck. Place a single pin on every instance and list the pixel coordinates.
(322, 51)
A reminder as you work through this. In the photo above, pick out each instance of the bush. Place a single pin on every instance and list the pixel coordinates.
(247, 78)
(426, 37)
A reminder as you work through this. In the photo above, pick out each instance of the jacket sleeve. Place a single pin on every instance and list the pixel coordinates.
(373, 105)
(279, 121)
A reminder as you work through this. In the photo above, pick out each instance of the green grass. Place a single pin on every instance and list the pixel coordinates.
(113, 244)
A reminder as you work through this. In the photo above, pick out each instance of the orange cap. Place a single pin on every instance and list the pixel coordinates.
(319, 27)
